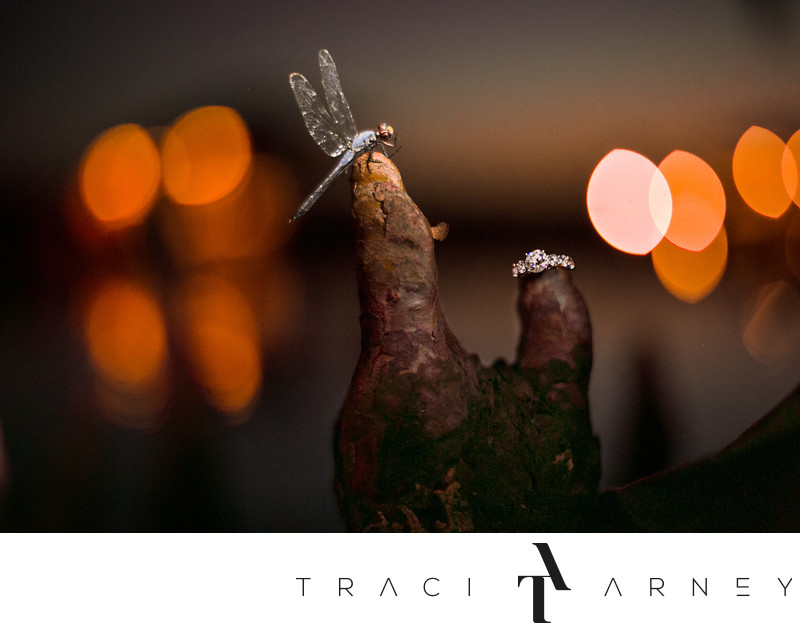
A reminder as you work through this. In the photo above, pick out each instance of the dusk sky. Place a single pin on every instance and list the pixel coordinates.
(524, 95)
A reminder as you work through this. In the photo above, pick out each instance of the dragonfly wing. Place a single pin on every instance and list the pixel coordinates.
(321, 125)
(309, 201)
(334, 95)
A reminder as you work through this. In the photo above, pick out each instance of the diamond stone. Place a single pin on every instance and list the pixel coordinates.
(536, 261)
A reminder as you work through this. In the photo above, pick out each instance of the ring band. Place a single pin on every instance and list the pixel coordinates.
(539, 261)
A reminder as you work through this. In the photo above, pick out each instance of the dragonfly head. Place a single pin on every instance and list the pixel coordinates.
(385, 134)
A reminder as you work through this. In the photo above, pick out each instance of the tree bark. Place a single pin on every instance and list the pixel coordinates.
(431, 440)
(428, 438)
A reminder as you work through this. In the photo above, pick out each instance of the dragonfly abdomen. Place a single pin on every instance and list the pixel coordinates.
(312, 198)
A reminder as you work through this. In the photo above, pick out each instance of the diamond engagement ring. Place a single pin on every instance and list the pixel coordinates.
(538, 261)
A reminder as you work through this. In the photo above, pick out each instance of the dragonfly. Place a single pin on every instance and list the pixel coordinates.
(332, 127)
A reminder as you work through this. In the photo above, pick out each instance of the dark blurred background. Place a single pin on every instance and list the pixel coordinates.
(173, 354)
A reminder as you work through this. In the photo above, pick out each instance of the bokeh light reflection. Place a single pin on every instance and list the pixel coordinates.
(120, 175)
(126, 338)
(771, 333)
(629, 201)
(698, 200)
(761, 171)
(125, 333)
(222, 342)
(687, 275)
(205, 153)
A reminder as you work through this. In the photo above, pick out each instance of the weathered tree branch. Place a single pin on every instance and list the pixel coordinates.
(429, 439)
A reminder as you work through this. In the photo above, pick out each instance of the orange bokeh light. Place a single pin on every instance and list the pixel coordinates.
(688, 275)
(629, 201)
(250, 223)
(120, 175)
(791, 167)
(762, 170)
(126, 335)
(222, 342)
(698, 200)
(205, 154)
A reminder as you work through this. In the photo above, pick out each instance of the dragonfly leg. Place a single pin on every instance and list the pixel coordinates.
(382, 147)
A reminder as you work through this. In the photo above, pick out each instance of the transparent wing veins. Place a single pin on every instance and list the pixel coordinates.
(334, 95)
(319, 122)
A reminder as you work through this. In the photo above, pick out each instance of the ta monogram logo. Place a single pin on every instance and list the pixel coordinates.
(554, 574)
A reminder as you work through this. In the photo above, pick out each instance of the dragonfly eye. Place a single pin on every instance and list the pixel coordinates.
(385, 133)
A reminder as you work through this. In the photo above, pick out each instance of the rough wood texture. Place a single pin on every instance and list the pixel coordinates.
(428, 439)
